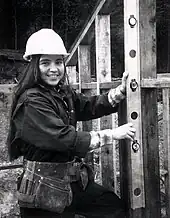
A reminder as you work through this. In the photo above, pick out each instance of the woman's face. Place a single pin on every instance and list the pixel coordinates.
(51, 69)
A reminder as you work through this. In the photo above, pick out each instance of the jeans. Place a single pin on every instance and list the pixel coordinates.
(94, 202)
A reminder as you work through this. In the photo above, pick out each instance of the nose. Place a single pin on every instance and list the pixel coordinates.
(53, 67)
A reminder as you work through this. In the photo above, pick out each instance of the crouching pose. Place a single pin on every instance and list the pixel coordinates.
(55, 181)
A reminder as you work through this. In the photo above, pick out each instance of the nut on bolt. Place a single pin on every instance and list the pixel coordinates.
(135, 146)
(133, 85)
(132, 21)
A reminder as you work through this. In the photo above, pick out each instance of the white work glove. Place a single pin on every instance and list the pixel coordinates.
(106, 136)
(119, 93)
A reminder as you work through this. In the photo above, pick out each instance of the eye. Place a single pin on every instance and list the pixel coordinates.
(44, 63)
(59, 62)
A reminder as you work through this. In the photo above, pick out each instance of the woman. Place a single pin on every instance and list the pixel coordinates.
(55, 182)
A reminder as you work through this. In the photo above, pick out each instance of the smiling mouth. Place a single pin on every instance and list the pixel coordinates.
(53, 76)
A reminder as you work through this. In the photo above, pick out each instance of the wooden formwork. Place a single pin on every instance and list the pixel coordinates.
(139, 163)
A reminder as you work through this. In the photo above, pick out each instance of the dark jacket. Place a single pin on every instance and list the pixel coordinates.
(44, 123)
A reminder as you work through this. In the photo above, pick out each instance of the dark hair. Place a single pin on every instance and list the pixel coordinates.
(28, 79)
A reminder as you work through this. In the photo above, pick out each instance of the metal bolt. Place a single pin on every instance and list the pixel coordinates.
(132, 21)
(135, 146)
(133, 85)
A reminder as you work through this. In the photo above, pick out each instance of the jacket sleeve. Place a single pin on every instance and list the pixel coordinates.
(92, 107)
(40, 125)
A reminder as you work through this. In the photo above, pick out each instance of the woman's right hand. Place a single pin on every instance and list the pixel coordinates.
(98, 138)
(126, 131)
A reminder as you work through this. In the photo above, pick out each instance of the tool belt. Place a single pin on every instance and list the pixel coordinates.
(47, 186)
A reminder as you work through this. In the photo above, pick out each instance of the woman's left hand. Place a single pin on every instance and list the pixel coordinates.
(123, 84)
(117, 94)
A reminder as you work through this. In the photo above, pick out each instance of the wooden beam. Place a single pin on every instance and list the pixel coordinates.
(140, 53)
(114, 180)
(72, 74)
(87, 32)
(108, 7)
(160, 82)
(166, 142)
(84, 66)
(12, 54)
(151, 152)
(163, 75)
(7, 88)
(103, 73)
(10, 166)
(103, 48)
(168, 18)
(155, 83)
(93, 85)
(148, 69)
(84, 31)
(136, 191)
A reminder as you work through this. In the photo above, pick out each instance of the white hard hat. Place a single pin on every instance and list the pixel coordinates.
(44, 41)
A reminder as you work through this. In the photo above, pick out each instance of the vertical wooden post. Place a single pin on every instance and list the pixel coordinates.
(52, 14)
(166, 137)
(103, 72)
(84, 66)
(149, 108)
(168, 18)
(166, 127)
(115, 142)
(141, 172)
(103, 48)
(132, 65)
(72, 74)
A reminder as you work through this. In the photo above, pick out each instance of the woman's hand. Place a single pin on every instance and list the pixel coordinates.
(124, 81)
(99, 138)
(116, 95)
(126, 131)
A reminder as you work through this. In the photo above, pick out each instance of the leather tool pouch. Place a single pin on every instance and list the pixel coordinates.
(47, 185)
(44, 192)
(86, 175)
(53, 195)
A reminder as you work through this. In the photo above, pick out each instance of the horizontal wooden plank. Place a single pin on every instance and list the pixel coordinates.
(13, 166)
(156, 83)
(12, 54)
(160, 82)
(163, 75)
(6, 88)
(93, 85)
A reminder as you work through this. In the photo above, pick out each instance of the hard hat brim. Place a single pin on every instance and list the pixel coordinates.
(28, 57)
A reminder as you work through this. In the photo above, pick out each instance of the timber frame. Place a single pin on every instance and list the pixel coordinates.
(139, 160)
(139, 163)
